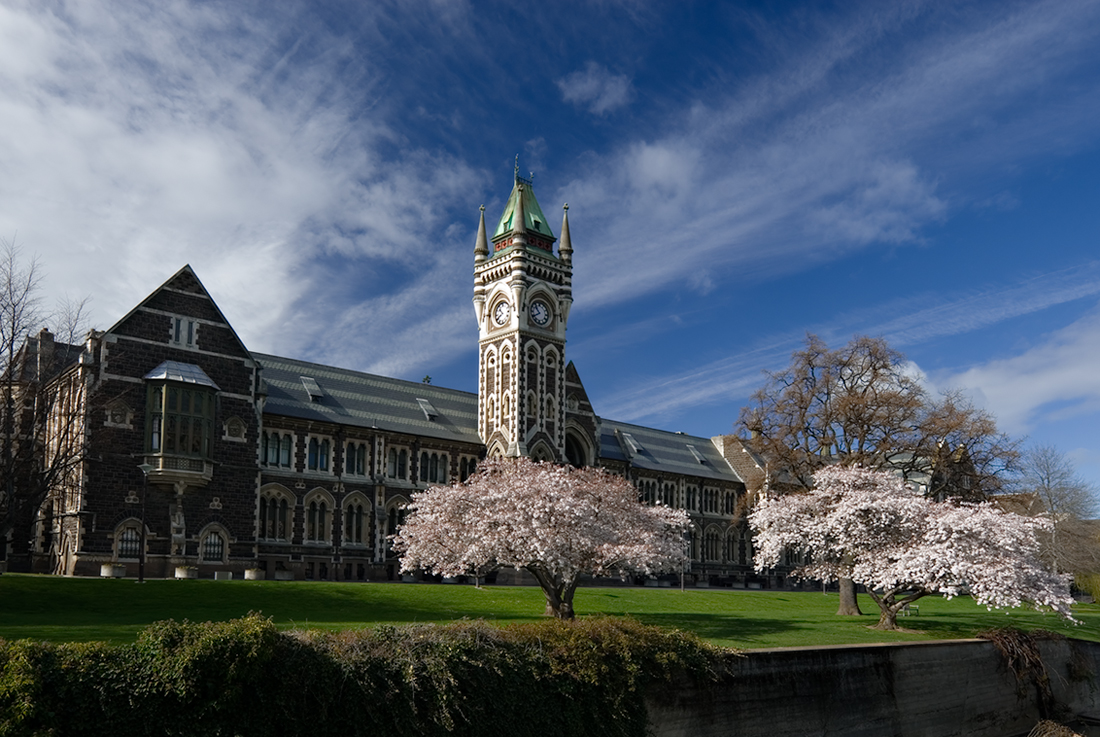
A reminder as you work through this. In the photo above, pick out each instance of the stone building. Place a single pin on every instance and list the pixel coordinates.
(239, 461)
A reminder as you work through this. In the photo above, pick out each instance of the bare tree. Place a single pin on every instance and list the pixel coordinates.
(1051, 486)
(863, 405)
(43, 405)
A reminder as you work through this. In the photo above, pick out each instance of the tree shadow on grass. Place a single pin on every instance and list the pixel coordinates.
(746, 631)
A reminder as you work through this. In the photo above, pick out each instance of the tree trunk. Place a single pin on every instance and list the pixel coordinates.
(559, 595)
(889, 606)
(849, 606)
(888, 619)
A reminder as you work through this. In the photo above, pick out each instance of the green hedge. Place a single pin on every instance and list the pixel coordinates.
(244, 677)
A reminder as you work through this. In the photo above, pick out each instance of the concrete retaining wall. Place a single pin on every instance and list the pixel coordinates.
(937, 689)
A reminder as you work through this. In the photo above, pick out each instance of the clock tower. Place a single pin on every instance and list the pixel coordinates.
(522, 295)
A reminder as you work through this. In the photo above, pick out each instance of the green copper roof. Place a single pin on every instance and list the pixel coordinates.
(536, 221)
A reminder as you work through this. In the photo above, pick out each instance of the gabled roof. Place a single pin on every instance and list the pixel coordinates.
(365, 400)
(187, 280)
(659, 450)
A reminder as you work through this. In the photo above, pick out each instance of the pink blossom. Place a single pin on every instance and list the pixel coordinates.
(870, 527)
(557, 522)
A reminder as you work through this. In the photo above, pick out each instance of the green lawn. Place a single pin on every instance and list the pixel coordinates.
(60, 609)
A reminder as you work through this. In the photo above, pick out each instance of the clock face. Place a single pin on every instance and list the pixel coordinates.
(540, 313)
(502, 312)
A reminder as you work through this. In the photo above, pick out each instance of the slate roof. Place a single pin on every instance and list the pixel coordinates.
(665, 451)
(364, 400)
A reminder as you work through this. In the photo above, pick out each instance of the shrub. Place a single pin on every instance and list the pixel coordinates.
(245, 678)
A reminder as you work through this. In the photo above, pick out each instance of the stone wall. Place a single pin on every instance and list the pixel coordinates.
(937, 689)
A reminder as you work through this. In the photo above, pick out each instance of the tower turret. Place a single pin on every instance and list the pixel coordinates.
(522, 295)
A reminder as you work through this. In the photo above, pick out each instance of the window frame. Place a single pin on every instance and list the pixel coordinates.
(159, 416)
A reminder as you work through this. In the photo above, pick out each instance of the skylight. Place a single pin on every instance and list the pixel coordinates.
(631, 443)
(698, 456)
(313, 389)
(429, 411)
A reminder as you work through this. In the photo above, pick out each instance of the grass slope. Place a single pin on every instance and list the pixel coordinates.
(114, 610)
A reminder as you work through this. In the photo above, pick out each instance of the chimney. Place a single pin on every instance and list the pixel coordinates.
(46, 350)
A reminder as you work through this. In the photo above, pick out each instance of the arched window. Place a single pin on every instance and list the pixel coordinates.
(275, 515)
(212, 547)
(391, 463)
(433, 469)
(424, 467)
(402, 464)
(712, 545)
(356, 524)
(361, 459)
(575, 452)
(317, 523)
(263, 447)
(729, 553)
(128, 541)
(314, 452)
(466, 468)
(395, 515)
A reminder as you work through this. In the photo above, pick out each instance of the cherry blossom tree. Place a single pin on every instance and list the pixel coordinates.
(869, 526)
(557, 522)
(863, 405)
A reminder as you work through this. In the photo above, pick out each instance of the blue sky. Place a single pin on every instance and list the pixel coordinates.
(738, 174)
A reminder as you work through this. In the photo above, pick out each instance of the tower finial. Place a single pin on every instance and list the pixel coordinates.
(481, 247)
(517, 166)
(565, 244)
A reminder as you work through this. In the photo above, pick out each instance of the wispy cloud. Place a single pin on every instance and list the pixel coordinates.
(193, 133)
(815, 160)
(905, 323)
(596, 88)
(1052, 381)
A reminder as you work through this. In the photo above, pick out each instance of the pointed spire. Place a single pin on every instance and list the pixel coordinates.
(565, 245)
(481, 248)
(519, 218)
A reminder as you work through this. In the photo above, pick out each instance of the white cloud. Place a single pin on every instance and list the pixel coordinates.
(904, 323)
(139, 139)
(818, 157)
(1055, 380)
(597, 88)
